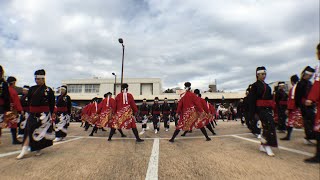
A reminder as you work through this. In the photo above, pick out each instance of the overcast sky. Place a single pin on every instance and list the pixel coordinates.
(176, 40)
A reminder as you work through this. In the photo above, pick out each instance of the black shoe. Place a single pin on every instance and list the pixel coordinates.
(103, 129)
(214, 134)
(123, 135)
(109, 139)
(285, 139)
(208, 139)
(312, 160)
(171, 140)
(16, 142)
(139, 140)
(183, 134)
(90, 134)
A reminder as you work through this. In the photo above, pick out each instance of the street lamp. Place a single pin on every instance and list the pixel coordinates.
(115, 83)
(121, 42)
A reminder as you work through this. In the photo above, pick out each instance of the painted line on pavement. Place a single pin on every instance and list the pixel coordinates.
(152, 172)
(57, 143)
(280, 147)
(179, 138)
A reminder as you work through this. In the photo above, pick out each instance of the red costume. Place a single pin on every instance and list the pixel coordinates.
(205, 117)
(295, 117)
(212, 111)
(92, 110)
(15, 107)
(314, 96)
(124, 111)
(189, 108)
(105, 110)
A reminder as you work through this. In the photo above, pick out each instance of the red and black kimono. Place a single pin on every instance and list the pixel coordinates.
(63, 114)
(124, 112)
(261, 101)
(105, 110)
(39, 128)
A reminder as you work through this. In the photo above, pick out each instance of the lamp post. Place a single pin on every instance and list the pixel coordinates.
(115, 83)
(121, 42)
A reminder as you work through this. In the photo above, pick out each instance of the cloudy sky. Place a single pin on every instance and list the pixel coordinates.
(178, 41)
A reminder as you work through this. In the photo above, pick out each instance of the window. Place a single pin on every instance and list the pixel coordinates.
(91, 88)
(75, 88)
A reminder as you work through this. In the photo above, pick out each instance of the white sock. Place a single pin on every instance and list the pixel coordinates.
(23, 152)
(269, 150)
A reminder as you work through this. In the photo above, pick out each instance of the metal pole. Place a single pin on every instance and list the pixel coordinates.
(122, 64)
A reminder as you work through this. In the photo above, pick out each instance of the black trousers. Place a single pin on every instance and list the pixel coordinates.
(241, 116)
(247, 119)
(269, 130)
(282, 118)
(175, 119)
(166, 121)
(156, 122)
(254, 122)
(308, 114)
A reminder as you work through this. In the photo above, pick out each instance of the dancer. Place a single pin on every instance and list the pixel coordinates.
(189, 109)
(124, 113)
(39, 131)
(262, 103)
(63, 112)
(294, 113)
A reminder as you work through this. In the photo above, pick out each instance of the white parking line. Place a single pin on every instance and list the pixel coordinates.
(152, 172)
(179, 138)
(57, 143)
(280, 147)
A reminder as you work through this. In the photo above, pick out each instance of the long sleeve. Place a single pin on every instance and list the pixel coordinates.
(315, 92)
(69, 104)
(204, 105)
(51, 100)
(179, 108)
(252, 99)
(197, 103)
(14, 98)
(132, 103)
(298, 95)
(112, 105)
(100, 105)
(6, 96)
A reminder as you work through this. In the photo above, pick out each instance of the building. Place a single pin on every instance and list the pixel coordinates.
(86, 89)
(82, 91)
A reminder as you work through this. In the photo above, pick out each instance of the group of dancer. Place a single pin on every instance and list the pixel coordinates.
(38, 116)
(100, 114)
(41, 119)
(266, 111)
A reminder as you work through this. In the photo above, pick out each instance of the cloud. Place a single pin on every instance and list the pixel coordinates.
(178, 41)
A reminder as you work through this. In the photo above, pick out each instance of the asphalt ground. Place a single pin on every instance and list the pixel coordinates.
(232, 154)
